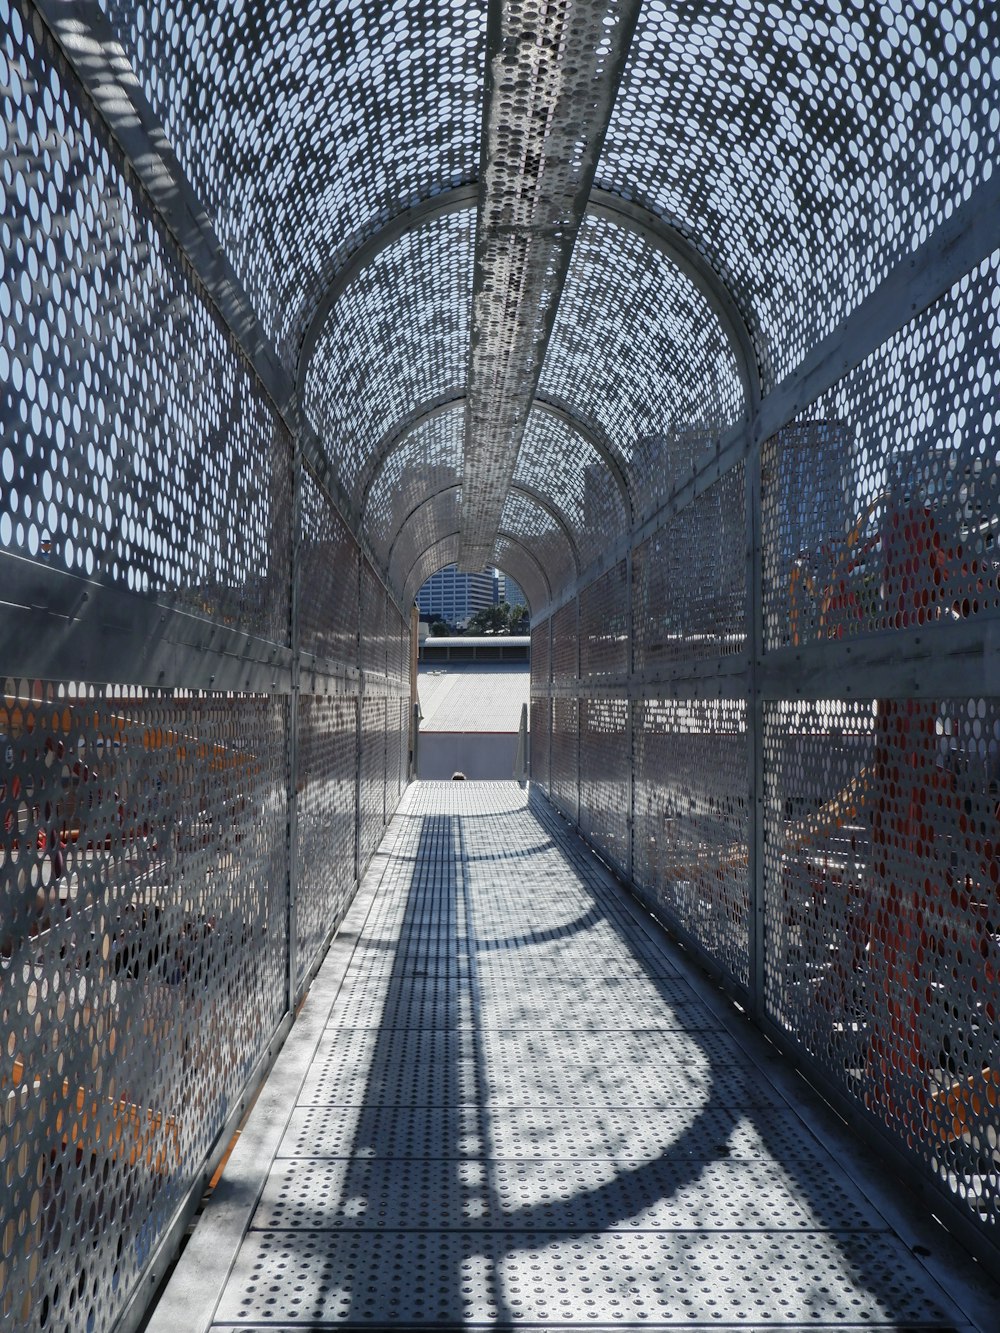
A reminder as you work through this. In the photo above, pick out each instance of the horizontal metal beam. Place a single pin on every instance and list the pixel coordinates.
(943, 660)
(57, 626)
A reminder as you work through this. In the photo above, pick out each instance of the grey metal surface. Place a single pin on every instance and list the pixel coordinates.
(523, 1112)
(550, 83)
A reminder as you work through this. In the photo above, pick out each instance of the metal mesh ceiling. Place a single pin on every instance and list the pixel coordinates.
(425, 462)
(305, 126)
(665, 367)
(558, 462)
(805, 148)
(398, 337)
(802, 149)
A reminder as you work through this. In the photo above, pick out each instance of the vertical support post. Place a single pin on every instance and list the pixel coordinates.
(414, 703)
(521, 755)
(359, 722)
(629, 721)
(291, 996)
(755, 724)
(579, 713)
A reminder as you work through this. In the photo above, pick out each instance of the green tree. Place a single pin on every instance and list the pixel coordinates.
(490, 620)
(438, 629)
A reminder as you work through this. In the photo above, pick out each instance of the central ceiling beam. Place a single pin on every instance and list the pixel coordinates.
(552, 73)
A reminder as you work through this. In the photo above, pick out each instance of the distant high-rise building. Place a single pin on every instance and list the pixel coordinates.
(511, 592)
(454, 597)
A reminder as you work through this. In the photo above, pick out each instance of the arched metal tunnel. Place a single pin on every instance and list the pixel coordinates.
(685, 317)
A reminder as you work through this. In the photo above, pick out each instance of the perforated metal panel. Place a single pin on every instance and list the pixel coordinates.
(605, 776)
(425, 462)
(526, 520)
(326, 801)
(564, 770)
(406, 313)
(692, 821)
(803, 149)
(357, 129)
(565, 650)
(881, 899)
(680, 619)
(643, 314)
(557, 462)
(437, 514)
(372, 790)
(882, 501)
(604, 626)
(142, 958)
(131, 428)
(524, 569)
(328, 601)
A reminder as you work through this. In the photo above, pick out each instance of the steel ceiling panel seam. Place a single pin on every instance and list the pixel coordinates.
(439, 514)
(305, 128)
(669, 380)
(557, 459)
(523, 517)
(551, 75)
(426, 461)
(806, 150)
(397, 337)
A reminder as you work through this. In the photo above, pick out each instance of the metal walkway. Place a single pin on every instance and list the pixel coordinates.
(509, 1101)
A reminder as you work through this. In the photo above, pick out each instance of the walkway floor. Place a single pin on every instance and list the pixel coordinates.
(521, 1106)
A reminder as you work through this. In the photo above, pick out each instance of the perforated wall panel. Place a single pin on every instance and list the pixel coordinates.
(692, 821)
(328, 596)
(565, 649)
(606, 776)
(563, 772)
(143, 959)
(881, 909)
(689, 582)
(327, 792)
(373, 774)
(882, 502)
(604, 645)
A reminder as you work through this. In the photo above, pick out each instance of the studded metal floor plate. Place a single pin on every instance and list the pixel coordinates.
(521, 1114)
(650, 1277)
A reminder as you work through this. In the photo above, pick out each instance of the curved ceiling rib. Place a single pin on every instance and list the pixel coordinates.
(638, 347)
(527, 493)
(397, 336)
(529, 576)
(615, 211)
(588, 432)
(693, 264)
(428, 210)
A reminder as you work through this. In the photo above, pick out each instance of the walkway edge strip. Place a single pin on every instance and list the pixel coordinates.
(190, 1298)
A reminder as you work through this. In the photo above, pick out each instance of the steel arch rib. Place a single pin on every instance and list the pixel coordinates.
(449, 536)
(528, 492)
(447, 402)
(428, 210)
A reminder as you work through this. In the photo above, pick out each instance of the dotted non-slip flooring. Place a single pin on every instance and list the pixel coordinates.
(522, 1115)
